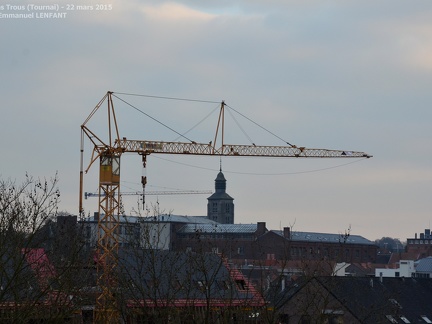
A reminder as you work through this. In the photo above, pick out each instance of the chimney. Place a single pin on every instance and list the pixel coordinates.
(261, 228)
(287, 232)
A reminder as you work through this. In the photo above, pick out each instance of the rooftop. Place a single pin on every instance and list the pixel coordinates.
(325, 237)
(160, 218)
(424, 265)
(219, 228)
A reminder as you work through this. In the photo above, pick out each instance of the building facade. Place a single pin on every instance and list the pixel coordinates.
(255, 242)
(420, 245)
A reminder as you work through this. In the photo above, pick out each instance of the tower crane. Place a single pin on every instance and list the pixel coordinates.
(109, 152)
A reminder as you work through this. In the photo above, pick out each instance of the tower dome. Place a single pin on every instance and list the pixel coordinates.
(220, 182)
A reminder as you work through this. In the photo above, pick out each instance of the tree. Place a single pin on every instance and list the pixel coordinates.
(38, 280)
(389, 244)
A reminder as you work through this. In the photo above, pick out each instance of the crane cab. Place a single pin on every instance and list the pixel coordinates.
(109, 169)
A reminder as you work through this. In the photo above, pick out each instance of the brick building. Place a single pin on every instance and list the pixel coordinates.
(255, 242)
(420, 245)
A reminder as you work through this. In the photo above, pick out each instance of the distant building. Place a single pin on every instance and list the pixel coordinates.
(296, 245)
(420, 245)
(154, 232)
(233, 240)
(220, 206)
(405, 270)
(423, 268)
(255, 242)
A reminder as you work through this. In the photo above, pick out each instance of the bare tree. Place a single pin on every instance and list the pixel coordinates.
(38, 280)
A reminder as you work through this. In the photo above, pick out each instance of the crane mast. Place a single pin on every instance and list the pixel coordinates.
(109, 152)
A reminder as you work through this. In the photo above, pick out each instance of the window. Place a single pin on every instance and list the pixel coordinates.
(426, 319)
(241, 284)
(214, 207)
(397, 274)
(395, 302)
(391, 319)
(332, 316)
(176, 283)
(227, 208)
(404, 319)
(270, 256)
(223, 284)
(201, 285)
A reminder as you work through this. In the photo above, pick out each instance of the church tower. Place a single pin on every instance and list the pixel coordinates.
(220, 206)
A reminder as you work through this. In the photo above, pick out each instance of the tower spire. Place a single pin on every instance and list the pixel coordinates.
(220, 206)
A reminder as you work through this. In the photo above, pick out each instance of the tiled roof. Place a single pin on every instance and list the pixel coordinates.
(325, 237)
(406, 297)
(219, 228)
(178, 219)
(220, 195)
(180, 278)
(372, 300)
(424, 265)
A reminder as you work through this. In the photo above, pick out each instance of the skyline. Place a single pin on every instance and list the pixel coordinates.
(336, 75)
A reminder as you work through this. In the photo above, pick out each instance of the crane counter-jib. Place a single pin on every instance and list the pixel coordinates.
(149, 147)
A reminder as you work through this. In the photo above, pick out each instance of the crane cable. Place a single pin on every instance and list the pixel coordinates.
(286, 142)
(201, 121)
(142, 112)
(263, 174)
(195, 100)
(168, 98)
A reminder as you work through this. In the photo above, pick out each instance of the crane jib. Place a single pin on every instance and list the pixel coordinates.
(149, 147)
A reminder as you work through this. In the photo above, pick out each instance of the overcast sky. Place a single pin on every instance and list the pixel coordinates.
(351, 75)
